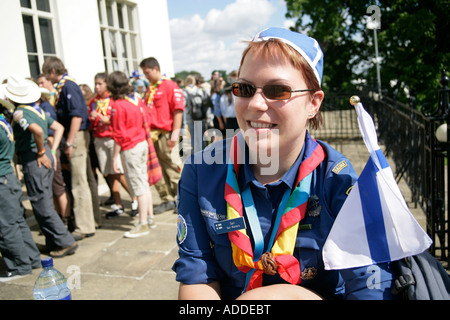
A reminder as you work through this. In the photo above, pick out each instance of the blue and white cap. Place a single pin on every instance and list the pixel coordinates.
(308, 47)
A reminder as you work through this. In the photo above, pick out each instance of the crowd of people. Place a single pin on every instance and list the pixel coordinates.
(57, 135)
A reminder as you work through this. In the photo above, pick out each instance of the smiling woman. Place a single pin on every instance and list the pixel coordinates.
(284, 214)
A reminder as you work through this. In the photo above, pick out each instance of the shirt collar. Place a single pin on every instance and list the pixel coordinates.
(289, 178)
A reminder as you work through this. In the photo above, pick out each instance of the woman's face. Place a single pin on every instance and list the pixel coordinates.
(100, 87)
(279, 124)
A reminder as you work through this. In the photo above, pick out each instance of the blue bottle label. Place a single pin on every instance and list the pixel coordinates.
(69, 297)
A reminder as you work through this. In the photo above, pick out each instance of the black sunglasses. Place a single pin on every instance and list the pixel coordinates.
(270, 91)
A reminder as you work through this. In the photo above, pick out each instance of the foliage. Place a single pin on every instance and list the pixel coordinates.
(412, 43)
(183, 74)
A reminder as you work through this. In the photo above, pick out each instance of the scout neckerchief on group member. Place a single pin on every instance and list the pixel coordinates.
(60, 86)
(102, 104)
(154, 169)
(290, 211)
(150, 93)
(34, 107)
(148, 99)
(7, 127)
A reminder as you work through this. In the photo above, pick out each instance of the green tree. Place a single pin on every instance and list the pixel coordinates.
(413, 43)
(183, 74)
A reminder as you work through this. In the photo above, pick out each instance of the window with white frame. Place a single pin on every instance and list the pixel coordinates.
(120, 39)
(38, 22)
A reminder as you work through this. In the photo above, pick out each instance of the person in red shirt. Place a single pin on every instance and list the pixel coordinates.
(99, 116)
(128, 132)
(166, 102)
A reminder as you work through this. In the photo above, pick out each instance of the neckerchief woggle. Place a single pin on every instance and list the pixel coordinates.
(291, 211)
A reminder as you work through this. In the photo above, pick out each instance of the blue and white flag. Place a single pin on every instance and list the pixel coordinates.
(374, 224)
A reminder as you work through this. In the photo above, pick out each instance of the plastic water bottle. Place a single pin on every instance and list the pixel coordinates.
(51, 284)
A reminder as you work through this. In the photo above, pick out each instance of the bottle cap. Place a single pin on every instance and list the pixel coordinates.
(47, 262)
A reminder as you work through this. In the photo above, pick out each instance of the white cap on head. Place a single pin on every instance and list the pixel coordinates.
(308, 47)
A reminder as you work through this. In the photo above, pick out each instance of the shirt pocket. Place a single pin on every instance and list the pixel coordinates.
(308, 251)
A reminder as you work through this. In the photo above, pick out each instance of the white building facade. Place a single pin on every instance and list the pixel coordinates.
(90, 36)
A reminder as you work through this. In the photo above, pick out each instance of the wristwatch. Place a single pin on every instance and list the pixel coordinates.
(68, 145)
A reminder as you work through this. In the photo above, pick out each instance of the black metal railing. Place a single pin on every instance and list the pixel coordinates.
(340, 119)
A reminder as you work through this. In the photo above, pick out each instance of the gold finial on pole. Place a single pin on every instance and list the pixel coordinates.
(354, 100)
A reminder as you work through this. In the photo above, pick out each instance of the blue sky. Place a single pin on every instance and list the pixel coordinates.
(208, 34)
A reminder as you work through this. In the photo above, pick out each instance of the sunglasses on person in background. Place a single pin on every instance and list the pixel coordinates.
(270, 91)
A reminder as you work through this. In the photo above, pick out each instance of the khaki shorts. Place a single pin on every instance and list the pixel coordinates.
(135, 166)
(104, 147)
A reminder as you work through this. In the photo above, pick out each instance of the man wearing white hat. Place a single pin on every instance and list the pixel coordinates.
(17, 247)
(31, 131)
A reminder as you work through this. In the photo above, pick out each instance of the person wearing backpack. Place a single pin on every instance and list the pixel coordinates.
(194, 112)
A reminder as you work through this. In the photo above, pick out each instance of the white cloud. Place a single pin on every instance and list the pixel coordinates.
(214, 42)
(240, 17)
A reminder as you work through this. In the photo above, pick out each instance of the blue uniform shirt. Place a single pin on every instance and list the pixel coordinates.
(71, 103)
(49, 112)
(206, 256)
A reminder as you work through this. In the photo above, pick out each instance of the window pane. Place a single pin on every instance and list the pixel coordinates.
(115, 65)
(29, 33)
(99, 12)
(124, 45)
(112, 40)
(103, 43)
(43, 5)
(109, 14)
(130, 18)
(120, 15)
(125, 69)
(48, 42)
(34, 66)
(25, 3)
(133, 46)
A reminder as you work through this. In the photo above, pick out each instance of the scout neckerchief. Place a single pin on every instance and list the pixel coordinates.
(291, 210)
(60, 86)
(133, 98)
(7, 127)
(151, 90)
(102, 104)
(35, 109)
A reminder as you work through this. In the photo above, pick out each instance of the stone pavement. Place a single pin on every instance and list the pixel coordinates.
(111, 267)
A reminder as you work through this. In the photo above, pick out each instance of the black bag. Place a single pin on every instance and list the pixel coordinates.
(198, 105)
(421, 277)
